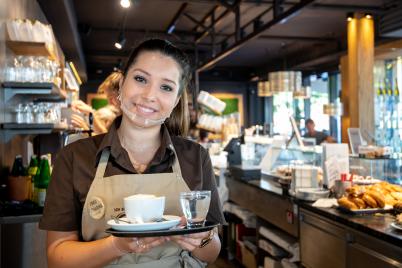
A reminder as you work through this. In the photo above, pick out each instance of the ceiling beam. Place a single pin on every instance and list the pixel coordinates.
(198, 23)
(171, 26)
(285, 15)
(205, 18)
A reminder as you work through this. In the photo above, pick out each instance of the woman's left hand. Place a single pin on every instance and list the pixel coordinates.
(188, 242)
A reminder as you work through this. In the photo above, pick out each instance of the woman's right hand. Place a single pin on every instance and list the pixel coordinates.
(135, 244)
(80, 106)
(79, 122)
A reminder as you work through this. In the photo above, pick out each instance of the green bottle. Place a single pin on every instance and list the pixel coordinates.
(41, 181)
(32, 170)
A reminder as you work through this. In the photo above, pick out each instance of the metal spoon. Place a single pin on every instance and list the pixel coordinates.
(118, 220)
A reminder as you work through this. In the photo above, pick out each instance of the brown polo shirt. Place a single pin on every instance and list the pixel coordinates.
(75, 167)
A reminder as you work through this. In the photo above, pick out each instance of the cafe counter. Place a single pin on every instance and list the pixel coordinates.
(328, 237)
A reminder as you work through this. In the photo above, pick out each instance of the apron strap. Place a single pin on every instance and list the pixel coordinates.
(100, 171)
(176, 165)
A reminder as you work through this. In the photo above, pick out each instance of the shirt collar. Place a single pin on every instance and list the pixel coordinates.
(111, 140)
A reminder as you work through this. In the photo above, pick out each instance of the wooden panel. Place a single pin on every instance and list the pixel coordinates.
(345, 99)
(361, 256)
(321, 243)
(265, 205)
(360, 73)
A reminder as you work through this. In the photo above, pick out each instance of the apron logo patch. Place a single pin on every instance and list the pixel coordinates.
(96, 208)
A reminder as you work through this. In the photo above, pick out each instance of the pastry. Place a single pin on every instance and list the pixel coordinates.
(397, 196)
(378, 197)
(358, 202)
(369, 201)
(344, 202)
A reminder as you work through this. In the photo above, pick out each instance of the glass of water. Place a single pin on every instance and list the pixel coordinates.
(195, 206)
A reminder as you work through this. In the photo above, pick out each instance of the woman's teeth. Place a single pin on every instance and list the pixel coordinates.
(145, 109)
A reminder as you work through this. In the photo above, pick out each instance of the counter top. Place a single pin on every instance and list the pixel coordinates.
(20, 219)
(377, 225)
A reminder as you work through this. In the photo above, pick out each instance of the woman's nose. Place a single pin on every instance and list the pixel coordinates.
(150, 92)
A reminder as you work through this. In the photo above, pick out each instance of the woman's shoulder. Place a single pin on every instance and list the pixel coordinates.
(185, 144)
(86, 146)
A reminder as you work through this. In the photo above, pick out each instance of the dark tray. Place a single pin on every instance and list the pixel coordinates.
(173, 231)
(365, 211)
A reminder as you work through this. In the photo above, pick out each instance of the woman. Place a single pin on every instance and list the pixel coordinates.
(105, 115)
(141, 153)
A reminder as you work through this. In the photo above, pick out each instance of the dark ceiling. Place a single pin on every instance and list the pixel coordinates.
(278, 34)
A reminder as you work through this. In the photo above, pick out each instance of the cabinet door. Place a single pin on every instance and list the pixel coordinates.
(360, 256)
(321, 244)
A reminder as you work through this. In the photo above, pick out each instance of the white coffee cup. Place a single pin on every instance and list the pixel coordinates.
(144, 207)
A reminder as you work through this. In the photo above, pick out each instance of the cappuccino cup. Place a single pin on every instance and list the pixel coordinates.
(142, 208)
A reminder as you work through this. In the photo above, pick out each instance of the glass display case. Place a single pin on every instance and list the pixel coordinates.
(387, 169)
(279, 160)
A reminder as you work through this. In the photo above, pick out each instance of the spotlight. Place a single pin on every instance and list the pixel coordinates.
(368, 16)
(121, 40)
(125, 3)
(349, 16)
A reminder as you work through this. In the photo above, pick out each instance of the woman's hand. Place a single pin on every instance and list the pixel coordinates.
(80, 106)
(79, 122)
(136, 245)
(188, 242)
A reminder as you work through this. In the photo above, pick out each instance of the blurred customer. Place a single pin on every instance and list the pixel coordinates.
(319, 136)
(203, 138)
(104, 116)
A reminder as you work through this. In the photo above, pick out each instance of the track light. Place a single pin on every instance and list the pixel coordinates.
(368, 16)
(349, 16)
(125, 3)
(121, 40)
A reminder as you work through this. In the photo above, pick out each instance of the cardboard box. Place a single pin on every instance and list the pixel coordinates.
(271, 263)
(248, 257)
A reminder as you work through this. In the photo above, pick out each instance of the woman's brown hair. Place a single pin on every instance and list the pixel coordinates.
(178, 122)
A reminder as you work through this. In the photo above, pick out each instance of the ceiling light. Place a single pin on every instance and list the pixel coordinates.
(368, 16)
(125, 3)
(121, 40)
(349, 16)
(171, 29)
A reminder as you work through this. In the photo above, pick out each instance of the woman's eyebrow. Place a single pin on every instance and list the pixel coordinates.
(145, 72)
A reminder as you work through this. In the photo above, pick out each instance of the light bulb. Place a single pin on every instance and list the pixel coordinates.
(125, 3)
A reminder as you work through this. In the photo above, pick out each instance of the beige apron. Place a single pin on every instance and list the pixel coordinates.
(105, 198)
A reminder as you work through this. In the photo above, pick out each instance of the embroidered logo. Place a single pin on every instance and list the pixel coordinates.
(96, 208)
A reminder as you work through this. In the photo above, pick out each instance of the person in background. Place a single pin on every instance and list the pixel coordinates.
(319, 136)
(103, 117)
(144, 152)
(203, 138)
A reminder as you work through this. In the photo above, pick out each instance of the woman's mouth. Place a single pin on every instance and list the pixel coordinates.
(145, 109)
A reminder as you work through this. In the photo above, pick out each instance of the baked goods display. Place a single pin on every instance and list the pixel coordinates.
(379, 195)
(284, 170)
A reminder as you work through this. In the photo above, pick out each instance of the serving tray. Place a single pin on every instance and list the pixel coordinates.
(173, 231)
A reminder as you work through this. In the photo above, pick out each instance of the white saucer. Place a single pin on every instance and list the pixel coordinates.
(169, 222)
(396, 226)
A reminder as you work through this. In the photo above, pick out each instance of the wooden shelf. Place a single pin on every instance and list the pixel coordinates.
(30, 49)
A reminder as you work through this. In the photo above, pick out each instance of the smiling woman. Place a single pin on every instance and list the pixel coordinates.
(142, 153)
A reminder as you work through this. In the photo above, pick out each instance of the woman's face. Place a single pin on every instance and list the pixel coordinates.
(150, 88)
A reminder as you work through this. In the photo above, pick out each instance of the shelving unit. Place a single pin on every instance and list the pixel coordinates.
(30, 49)
(43, 89)
(9, 130)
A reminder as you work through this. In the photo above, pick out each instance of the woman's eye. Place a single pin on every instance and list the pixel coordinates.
(167, 88)
(140, 79)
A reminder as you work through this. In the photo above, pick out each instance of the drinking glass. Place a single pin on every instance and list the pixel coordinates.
(195, 206)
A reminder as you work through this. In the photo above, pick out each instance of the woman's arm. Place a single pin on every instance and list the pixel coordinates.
(65, 251)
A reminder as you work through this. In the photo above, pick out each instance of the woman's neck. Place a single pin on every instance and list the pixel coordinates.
(138, 140)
